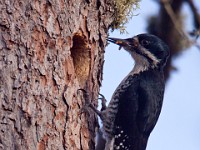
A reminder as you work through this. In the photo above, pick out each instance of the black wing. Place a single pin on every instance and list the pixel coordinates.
(126, 128)
(139, 109)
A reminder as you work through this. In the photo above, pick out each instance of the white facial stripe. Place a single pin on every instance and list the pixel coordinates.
(141, 61)
(145, 51)
(150, 55)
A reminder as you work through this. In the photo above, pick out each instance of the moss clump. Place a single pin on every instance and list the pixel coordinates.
(123, 13)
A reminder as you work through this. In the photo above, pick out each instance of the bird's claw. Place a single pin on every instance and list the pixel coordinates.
(84, 109)
(85, 95)
(89, 104)
(103, 102)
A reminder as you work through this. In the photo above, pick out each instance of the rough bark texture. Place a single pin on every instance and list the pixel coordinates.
(48, 50)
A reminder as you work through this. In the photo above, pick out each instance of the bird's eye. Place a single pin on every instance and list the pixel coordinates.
(145, 42)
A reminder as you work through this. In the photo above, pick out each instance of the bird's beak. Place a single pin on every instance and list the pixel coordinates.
(120, 42)
(130, 42)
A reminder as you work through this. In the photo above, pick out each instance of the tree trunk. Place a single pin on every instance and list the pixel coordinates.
(48, 50)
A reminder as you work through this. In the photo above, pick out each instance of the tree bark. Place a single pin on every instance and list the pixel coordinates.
(48, 50)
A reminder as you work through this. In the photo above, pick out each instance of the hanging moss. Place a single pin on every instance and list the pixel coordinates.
(123, 13)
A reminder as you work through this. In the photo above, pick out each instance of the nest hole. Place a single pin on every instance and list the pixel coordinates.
(80, 54)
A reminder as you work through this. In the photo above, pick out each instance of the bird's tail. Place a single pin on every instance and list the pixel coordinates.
(100, 141)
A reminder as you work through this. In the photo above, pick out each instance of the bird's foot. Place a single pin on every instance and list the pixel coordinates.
(103, 102)
(88, 103)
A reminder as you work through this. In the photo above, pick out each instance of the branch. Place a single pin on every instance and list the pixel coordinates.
(172, 15)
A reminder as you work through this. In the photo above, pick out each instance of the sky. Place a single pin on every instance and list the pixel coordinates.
(178, 127)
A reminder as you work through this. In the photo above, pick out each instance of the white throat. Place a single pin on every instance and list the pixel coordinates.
(141, 63)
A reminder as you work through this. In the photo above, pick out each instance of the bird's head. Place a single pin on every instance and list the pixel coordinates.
(146, 49)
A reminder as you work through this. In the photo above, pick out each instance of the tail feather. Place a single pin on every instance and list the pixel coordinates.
(100, 141)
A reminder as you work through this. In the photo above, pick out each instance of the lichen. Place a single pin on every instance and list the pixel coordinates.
(123, 13)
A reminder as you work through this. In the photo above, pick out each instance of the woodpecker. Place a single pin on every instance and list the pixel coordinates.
(136, 104)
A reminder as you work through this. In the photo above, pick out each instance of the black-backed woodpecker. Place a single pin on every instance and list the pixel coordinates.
(136, 103)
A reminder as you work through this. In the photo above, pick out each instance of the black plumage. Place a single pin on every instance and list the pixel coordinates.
(138, 110)
(140, 101)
